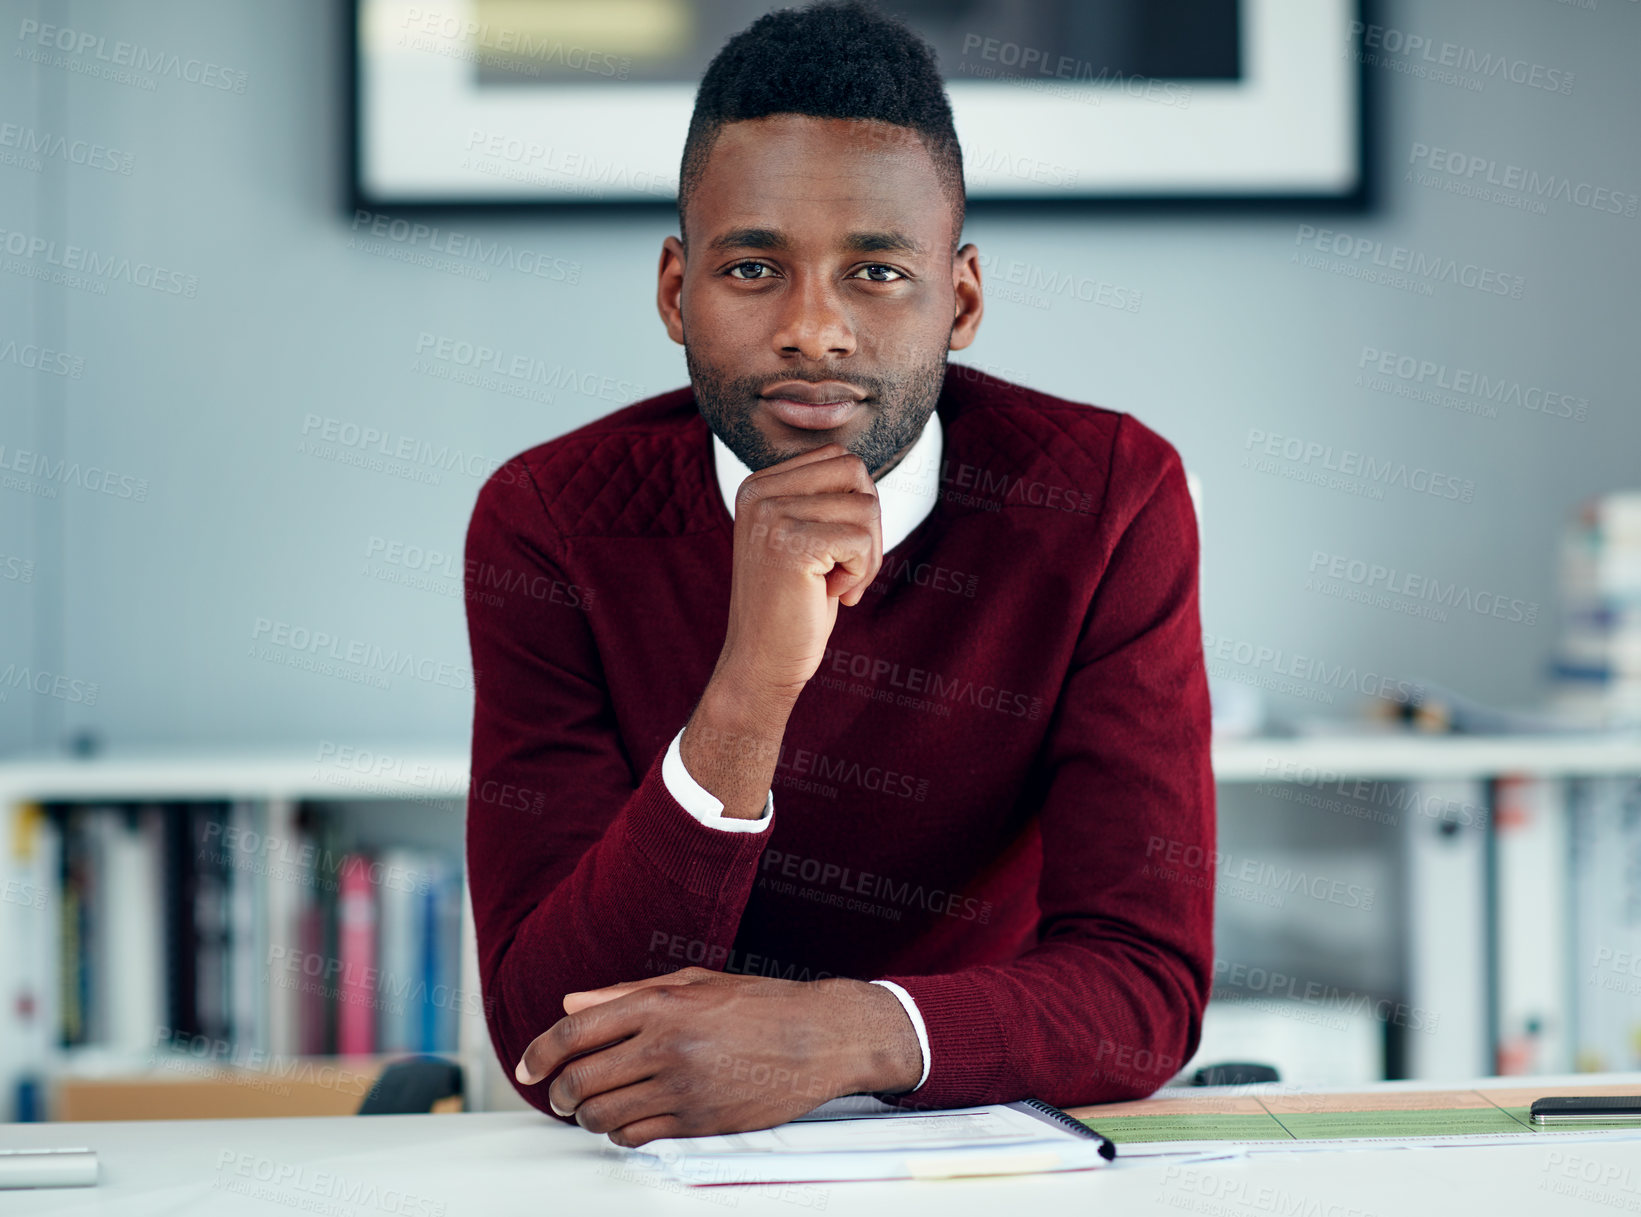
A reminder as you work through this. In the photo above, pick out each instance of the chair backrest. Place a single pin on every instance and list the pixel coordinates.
(412, 1086)
(1234, 1073)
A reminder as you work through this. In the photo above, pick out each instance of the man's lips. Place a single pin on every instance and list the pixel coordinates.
(812, 393)
(811, 415)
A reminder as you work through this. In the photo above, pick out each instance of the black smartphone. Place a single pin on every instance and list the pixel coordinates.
(1606, 1109)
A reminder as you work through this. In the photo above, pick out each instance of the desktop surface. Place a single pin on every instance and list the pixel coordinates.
(524, 1163)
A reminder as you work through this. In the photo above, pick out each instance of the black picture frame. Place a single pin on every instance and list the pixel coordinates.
(1358, 196)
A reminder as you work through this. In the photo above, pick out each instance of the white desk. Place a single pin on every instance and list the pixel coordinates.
(513, 1163)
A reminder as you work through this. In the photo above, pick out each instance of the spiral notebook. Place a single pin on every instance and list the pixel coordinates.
(859, 1137)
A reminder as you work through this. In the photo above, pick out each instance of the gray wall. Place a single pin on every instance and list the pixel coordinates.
(205, 398)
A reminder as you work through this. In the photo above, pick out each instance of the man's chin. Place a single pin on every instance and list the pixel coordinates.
(794, 447)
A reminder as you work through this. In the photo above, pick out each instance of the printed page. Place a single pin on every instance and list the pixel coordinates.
(986, 1126)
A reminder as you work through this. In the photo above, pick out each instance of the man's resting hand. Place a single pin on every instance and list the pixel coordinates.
(698, 1052)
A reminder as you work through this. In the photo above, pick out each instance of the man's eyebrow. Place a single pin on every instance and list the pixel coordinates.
(747, 238)
(889, 241)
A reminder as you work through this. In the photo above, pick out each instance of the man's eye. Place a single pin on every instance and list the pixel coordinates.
(741, 265)
(879, 267)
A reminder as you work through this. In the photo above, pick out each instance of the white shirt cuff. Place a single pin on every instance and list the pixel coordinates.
(701, 802)
(910, 1006)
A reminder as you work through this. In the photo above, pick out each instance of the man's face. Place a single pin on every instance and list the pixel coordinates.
(820, 259)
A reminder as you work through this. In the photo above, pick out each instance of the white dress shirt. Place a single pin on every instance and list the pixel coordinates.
(906, 495)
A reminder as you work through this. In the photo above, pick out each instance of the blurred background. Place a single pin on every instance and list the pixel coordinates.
(281, 284)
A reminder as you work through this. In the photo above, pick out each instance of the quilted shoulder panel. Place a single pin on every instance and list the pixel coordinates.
(1031, 449)
(641, 471)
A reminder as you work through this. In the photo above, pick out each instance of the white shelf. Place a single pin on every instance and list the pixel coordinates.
(421, 773)
(1416, 758)
(393, 772)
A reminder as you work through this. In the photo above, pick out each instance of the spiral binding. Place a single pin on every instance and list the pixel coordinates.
(1071, 1124)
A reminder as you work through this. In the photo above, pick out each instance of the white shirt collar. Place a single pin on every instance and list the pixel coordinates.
(906, 494)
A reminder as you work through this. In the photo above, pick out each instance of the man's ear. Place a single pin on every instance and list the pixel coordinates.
(669, 288)
(968, 302)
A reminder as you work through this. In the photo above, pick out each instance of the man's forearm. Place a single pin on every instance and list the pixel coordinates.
(731, 745)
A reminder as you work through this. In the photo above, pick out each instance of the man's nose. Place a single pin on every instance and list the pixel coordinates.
(813, 322)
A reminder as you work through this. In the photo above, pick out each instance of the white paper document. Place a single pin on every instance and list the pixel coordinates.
(852, 1138)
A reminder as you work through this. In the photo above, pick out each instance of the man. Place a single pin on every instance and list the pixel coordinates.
(954, 619)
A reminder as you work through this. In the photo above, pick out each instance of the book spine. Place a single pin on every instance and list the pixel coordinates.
(181, 1016)
(73, 979)
(452, 1001)
(431, 960)
(29, 873)
(1531, 918)
(246, 1017)
(211, 925)
(280, 963)
(131, 965)
(399, 938)
(1447, 836)
(1607, 933)
(356, 924)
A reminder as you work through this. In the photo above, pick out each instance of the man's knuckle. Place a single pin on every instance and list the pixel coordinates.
(658, 996)
(573, 1082)
(595, 1116)
(678, 1083)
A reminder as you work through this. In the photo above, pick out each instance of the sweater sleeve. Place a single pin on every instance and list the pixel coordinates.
(582, 865)
(1107, 1004)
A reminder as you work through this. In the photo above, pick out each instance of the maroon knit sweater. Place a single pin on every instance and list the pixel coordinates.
(983, 795)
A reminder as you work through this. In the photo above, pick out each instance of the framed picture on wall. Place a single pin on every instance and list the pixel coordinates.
(529, 102)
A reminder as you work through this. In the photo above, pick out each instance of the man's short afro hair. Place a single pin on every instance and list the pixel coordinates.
(839, 59)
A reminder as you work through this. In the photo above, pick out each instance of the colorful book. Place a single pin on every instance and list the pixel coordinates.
(356, 989)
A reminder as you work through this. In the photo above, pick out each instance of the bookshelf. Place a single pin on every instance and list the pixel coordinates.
(392, 820)
(1449, 880)
(1513, 864)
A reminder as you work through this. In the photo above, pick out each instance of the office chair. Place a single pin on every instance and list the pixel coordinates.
(412, 1086)
(1234, 1073)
